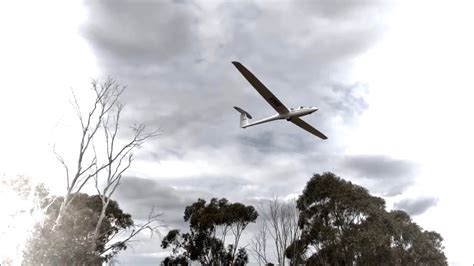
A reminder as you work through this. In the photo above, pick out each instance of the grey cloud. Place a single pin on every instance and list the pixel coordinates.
(383, 174)
(416, 206)
(344, 9)
(378, 166)
(175, 59)
(138, 195)
(129, 257)
(140, 32)
(271, 141)
(135, 192)
(233, 188)
(171, 196)
(179, 75)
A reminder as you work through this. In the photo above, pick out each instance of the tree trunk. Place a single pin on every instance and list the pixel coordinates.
(62, 210)
(99, 224)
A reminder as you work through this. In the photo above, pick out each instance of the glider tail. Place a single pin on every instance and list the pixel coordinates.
(244, 117)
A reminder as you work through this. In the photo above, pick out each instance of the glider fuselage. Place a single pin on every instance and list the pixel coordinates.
(293, 112)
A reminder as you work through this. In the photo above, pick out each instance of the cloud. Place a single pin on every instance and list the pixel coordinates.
(381, 173)
(346, 10)
(348, 100)
(132, 256)
(170, 196)
(138, 195)
(416, 206)
(174, 57)
(140, 32)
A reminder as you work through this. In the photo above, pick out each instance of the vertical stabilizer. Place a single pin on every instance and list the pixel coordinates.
(244, 121)
(244, 117)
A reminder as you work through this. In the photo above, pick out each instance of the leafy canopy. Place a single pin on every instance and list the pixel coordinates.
(71, 240)
(343, 224)
(209, 225)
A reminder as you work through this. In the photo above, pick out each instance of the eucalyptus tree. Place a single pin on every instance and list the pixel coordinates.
(212, 226)
(343, 224)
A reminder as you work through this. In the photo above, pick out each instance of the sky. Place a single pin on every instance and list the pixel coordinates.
(391, 81)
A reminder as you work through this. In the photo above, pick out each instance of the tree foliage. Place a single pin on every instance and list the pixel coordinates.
(22, 199)
(209, 226)
(342, 224)
(72, 239)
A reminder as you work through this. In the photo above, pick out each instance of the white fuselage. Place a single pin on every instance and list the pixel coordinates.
(294, 112)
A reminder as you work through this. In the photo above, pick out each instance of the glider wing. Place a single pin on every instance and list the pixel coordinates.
(266, 93)
(299, 122)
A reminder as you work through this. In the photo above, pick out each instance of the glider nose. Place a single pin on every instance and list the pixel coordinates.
(314, 109)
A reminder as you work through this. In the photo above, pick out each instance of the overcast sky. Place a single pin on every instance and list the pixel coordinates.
(391, 81)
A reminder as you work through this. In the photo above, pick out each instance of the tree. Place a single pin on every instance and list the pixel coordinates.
(258, 244)
(209, 225)
(413, 245)
(279, 221)
(103, 116)
(70, 242)
(343, 224)
(107, 165)
(22, 198)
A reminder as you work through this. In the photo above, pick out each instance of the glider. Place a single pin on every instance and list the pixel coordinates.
(293, 114)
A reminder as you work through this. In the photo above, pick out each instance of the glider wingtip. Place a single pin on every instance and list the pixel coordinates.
(236, 63)
(322, 136)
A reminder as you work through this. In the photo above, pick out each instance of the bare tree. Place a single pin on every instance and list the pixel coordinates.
(258, 245)
(280, 222)
(106, 166)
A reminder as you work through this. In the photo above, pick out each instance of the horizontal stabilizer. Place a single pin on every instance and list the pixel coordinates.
(242, 111)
